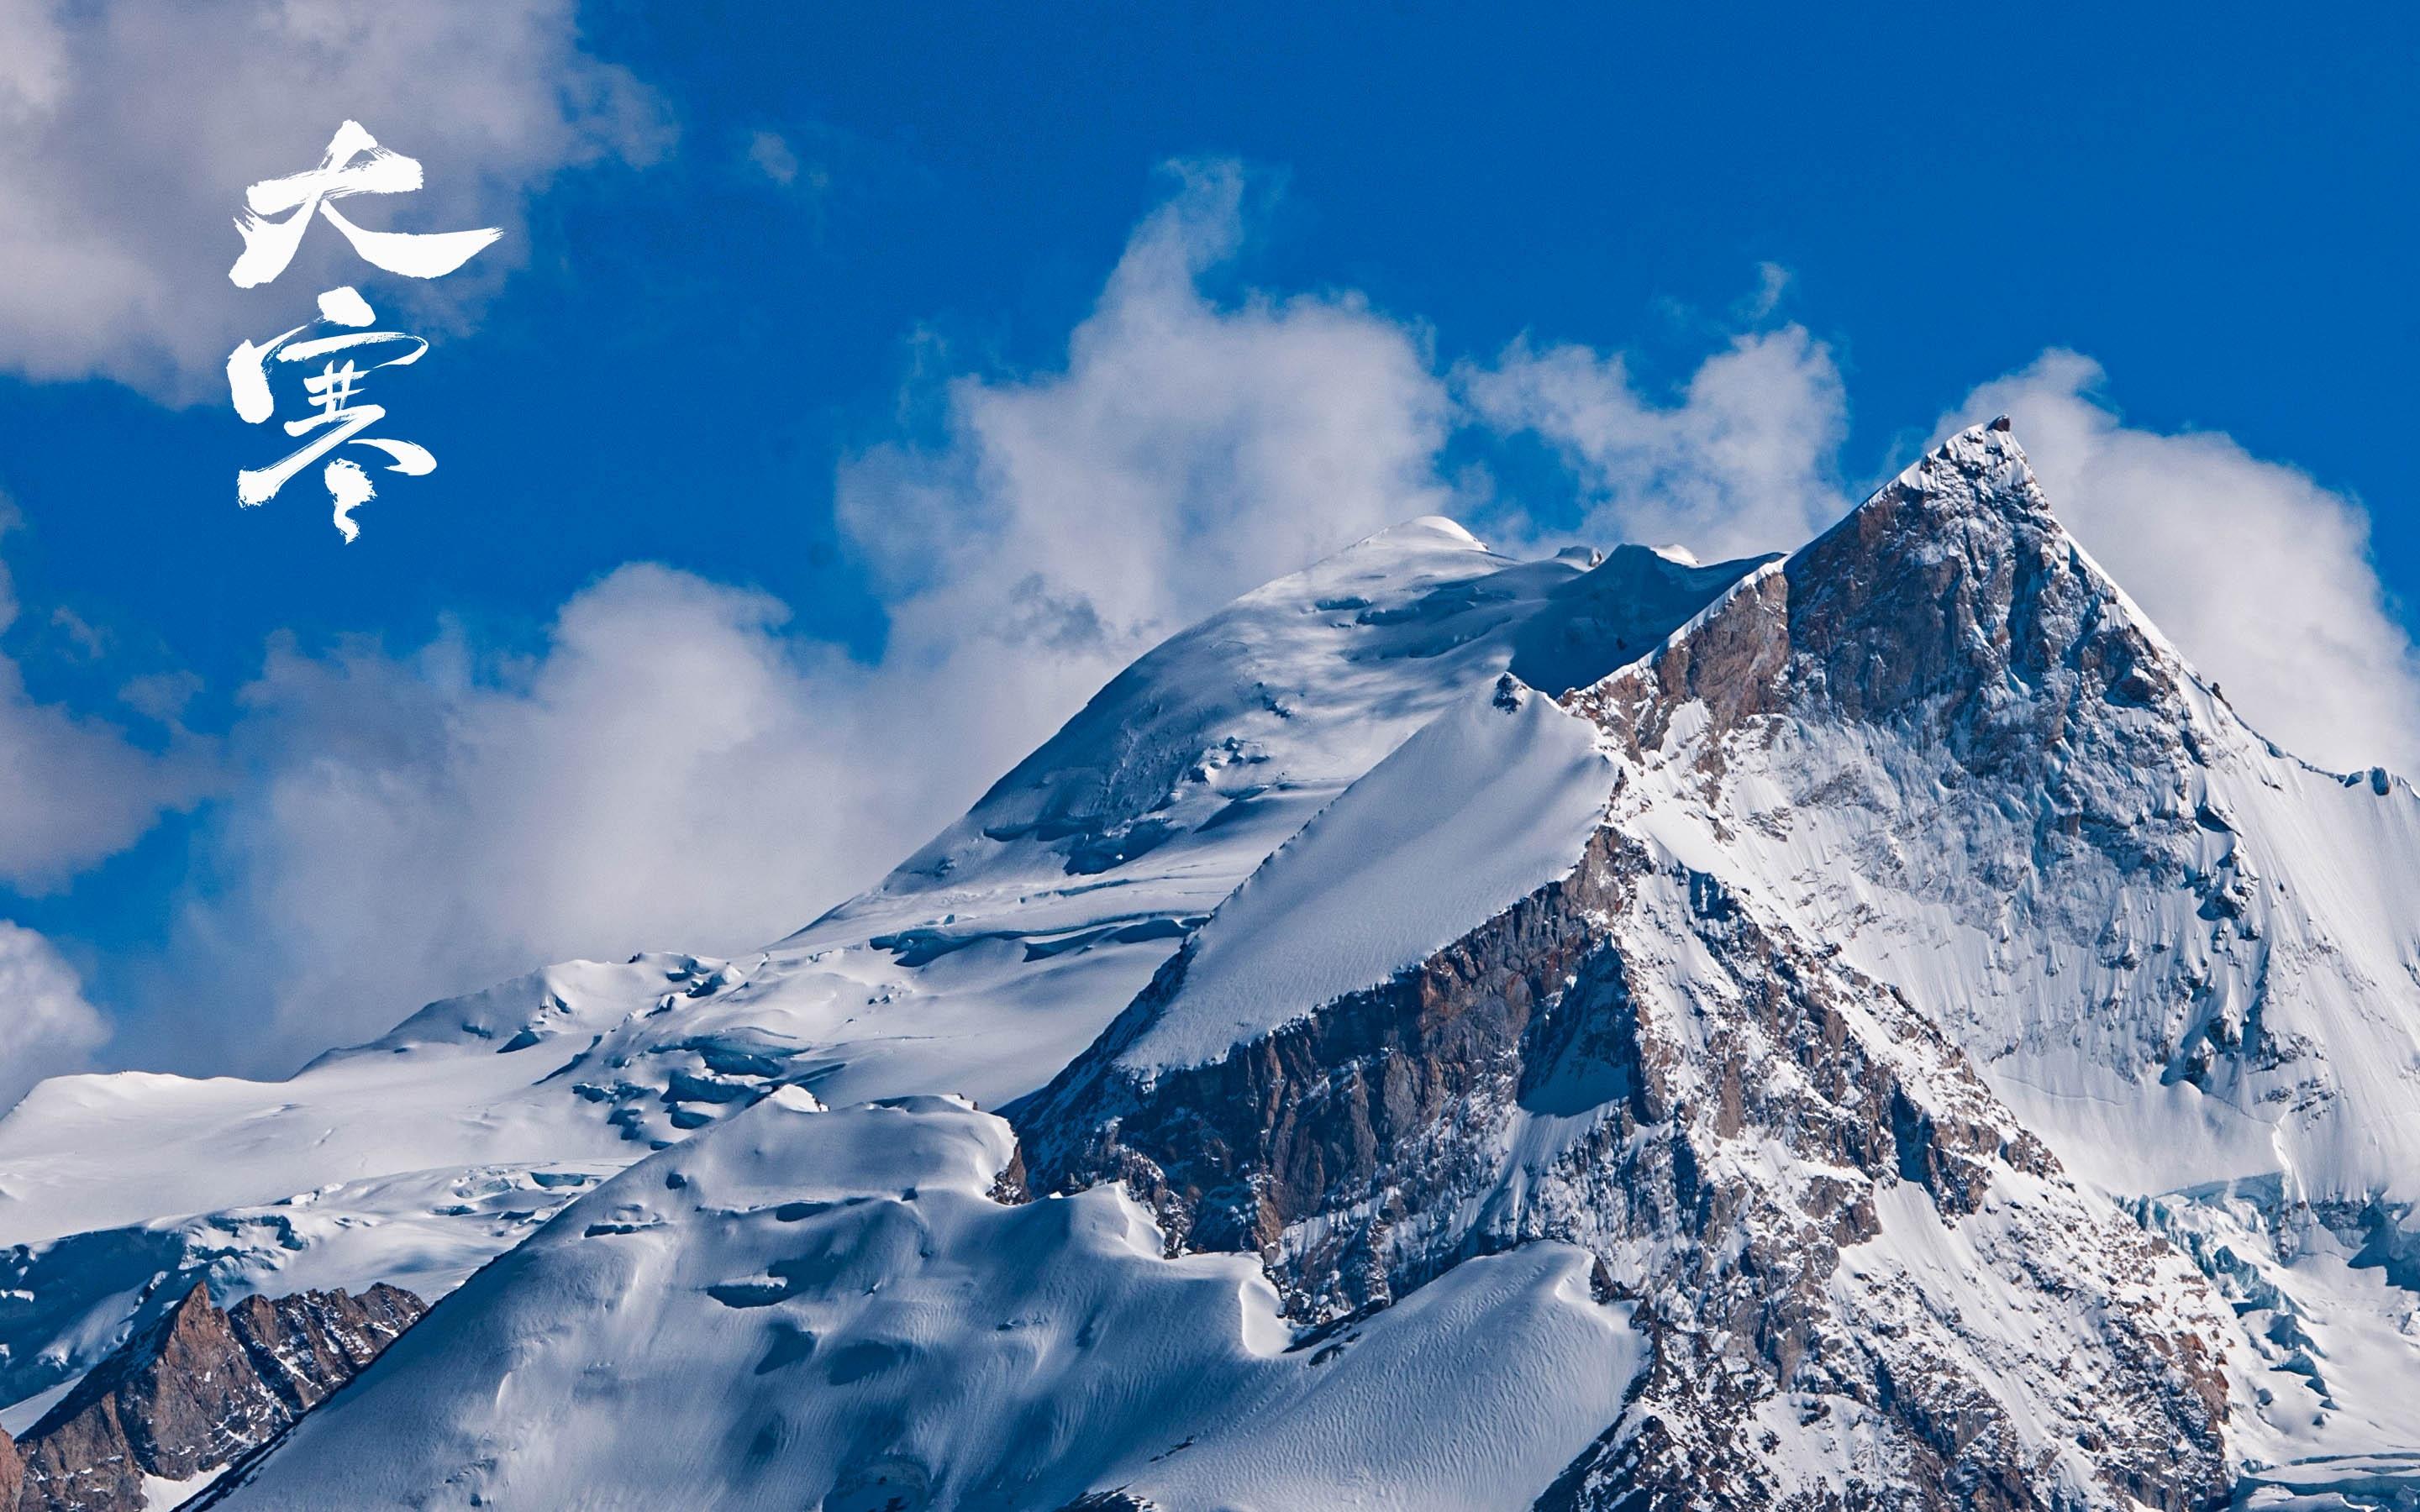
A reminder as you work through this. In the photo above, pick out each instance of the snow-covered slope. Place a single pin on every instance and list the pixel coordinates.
(1853, 1266)
(412, 1161)
(981, 966)
(1003, 946)
(849, 1310)
(1489, 803)
(1938, 755)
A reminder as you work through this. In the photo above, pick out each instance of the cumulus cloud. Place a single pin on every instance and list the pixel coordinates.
(1188, 449)
(2260, 575)
(671, 770)
(1740, 461)
(1187, 452)
(129, 132)
(46, 1026)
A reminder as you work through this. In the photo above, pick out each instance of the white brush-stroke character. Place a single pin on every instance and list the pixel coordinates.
(355, 164)
(332, 390)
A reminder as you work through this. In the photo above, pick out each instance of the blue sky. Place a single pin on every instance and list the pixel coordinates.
(786, 305)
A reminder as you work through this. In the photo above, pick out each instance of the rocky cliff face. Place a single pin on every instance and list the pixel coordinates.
(197, 1390)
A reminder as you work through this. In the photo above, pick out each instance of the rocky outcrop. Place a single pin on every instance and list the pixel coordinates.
(12, 1471)
(199, 1388)
(1765, 1151)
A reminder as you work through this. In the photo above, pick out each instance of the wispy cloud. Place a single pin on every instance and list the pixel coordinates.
(47, 1027)
(2258, 574)
(79, 789)
(1741, 460)
(777, 159)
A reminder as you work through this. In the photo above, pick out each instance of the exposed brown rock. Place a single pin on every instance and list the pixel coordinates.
(1361, 1152)
(199, 1388)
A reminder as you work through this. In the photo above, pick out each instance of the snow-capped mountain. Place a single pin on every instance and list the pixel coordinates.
(1867, 1028)
(982, 965)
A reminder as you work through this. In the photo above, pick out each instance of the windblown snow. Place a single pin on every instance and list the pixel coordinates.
(1490, 802)
(836, 1310)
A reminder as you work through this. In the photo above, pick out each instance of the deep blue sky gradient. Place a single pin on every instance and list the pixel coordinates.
(2217, 206)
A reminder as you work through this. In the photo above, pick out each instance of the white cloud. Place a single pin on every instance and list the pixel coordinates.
(78, 789)
(33, 62)
(79, 792)
(1188, 452)
(2260, 575)
(129, 131)
(1740, 463)
(774, 157)
(1772, 282)
(671, 770)
(46, 1026)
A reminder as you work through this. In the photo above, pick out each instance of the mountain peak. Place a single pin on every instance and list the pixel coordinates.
(1979, 465)
(1426, 529)
(1956, 580)
(1952, 597)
